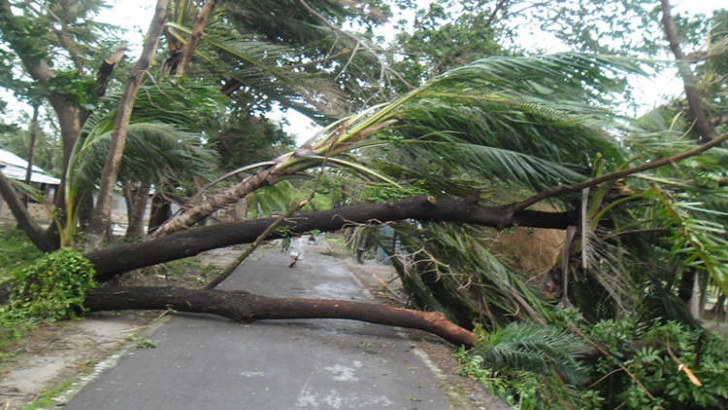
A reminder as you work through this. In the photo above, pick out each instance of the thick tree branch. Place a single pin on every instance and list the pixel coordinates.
(23, 218)
(62, 34)
(107, 68)
(122, 258)
(12, 30)
(703, 127)
(245, 307)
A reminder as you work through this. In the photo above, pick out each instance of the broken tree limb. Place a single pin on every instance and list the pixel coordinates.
(245, 307)
(123, 258)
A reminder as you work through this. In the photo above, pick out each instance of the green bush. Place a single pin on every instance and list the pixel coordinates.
(531, 367)
(53, 288)
(647, 365)
(656, 361)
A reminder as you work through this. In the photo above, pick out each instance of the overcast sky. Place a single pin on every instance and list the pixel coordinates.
(135, 16)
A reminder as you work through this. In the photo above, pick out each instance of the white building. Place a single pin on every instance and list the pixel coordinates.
(14, 167)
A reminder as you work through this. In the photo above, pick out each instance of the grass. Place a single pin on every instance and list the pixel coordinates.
(47, 399)
(17, 251)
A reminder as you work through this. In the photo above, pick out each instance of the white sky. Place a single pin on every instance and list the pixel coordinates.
(135, 15)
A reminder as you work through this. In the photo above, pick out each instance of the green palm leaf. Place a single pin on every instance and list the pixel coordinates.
(153, 152)
(526, 346)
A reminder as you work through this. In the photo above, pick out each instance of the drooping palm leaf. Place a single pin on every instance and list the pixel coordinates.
(153, 152)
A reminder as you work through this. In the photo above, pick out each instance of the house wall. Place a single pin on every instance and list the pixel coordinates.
(38, 212)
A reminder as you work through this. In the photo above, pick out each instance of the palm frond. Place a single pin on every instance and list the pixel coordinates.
(153, 152)
(527, 346)
(452, 269)
(536, 131)
(491, 166)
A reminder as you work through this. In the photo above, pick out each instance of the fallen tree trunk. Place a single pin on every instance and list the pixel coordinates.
(245, 307)
(123, 258)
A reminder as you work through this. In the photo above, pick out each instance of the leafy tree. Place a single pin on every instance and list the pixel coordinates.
(446, 35)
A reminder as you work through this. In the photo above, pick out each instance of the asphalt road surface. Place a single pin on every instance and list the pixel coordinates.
(205, 362)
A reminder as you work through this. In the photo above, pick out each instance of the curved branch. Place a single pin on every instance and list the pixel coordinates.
(519, 206)
(62, 35)
(703, 126)
(23, 218)
(245, 307)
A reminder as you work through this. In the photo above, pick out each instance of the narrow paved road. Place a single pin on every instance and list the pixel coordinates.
(205, 362)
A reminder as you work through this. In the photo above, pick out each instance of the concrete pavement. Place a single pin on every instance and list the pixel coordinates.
(205, 362)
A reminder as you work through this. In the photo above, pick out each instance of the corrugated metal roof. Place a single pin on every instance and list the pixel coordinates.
(15, 167)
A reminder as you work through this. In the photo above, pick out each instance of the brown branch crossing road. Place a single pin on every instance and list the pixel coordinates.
(206, 362)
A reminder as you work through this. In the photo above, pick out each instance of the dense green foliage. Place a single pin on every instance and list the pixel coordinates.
(53, 288)
(47, 286)
(629, 365)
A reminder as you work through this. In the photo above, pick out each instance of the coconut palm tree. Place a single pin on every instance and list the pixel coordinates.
(259, 55)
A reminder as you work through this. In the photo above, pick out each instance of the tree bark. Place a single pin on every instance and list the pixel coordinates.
(161, 209)
(34, 128)
(122, 258)
(23, 218)
(136, 195)
(227, 197)
(703, 127)
(39, 69)
(101, 217)
(197, 31)
(244, 307)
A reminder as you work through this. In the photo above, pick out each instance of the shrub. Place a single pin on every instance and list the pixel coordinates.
(661, 364)
(53, 288)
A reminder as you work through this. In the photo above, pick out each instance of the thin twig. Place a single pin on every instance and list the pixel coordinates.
(384, 66)
(682, 367)
(230, 268)
(606, 353)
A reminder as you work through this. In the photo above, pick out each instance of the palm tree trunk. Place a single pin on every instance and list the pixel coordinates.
(101, 217)
(197, 31)
(136, 195)
(210, 205)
